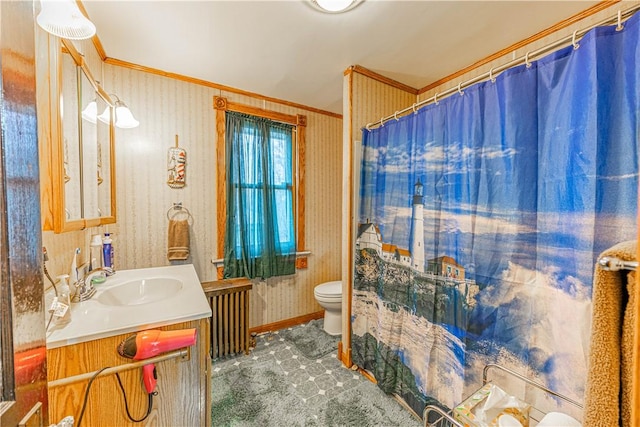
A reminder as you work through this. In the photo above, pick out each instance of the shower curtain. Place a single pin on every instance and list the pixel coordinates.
(481, 218)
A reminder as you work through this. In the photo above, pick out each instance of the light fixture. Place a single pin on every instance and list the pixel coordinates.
(124, 117)
(90, 113)
(64, 19)
(335, 6)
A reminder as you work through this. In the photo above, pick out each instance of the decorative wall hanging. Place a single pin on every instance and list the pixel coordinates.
(176, 164)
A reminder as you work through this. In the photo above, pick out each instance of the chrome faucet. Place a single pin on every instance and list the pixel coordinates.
(84, 287)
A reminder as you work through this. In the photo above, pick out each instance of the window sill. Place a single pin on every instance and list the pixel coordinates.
(301, 262)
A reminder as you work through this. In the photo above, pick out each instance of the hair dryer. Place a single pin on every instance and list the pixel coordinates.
(146, 344)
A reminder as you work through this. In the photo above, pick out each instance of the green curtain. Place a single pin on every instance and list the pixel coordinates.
(260, 233)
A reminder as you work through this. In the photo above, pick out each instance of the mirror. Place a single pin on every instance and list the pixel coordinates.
(71, 160)
(82, 166)
(89, 148)
(105, 154)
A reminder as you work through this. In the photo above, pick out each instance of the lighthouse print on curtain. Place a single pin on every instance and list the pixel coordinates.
(482, 217)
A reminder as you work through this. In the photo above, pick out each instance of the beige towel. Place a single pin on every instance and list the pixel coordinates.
(608, 388)
(178, 242)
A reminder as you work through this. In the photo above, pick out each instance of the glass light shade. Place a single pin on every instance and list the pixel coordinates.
(335, 6)
(90, 113)
(124, 117)
(105, 116)
(63, 18)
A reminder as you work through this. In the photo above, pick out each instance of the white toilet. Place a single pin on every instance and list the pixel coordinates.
(329, 296)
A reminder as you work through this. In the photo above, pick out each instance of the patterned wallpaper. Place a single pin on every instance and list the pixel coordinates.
(167, 107)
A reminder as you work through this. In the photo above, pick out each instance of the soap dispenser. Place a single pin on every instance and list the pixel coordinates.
(62, 303)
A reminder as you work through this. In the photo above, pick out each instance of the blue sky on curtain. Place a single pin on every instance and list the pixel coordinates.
(522, 182)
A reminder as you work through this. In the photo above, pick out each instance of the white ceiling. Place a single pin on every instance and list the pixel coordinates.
(290, 51)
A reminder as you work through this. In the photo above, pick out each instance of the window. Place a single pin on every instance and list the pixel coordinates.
(260, 171)
(260, 190)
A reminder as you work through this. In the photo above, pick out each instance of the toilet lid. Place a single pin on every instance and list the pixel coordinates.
(329, 289)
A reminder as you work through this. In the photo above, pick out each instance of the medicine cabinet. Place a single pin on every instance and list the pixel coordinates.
(78, 162)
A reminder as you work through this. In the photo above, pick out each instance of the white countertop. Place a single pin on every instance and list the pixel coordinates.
(93, 319)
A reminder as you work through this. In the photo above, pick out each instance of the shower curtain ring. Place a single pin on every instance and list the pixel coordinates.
(395, 116)
(493, 79)
(620, 27)
(526, 60)
(413, 107)
(368, 127)
(382, 121)
(435, 98)
(460, 89)
(573, 40)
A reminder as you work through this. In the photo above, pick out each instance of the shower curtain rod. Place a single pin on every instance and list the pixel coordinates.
(526, 59)
(615, 264)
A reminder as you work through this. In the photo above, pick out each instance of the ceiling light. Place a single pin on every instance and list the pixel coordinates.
(335, 6)
(63, 18)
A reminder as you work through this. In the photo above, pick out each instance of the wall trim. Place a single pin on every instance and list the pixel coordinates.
(379, 77)
(95, 39)
(544, 33)
(150, 70)
(287, 323)
(349, 229)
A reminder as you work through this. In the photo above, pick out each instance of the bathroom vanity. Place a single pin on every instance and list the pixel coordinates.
(164, 298)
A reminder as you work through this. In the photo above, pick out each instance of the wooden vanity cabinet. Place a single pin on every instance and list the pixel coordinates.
(184, 384)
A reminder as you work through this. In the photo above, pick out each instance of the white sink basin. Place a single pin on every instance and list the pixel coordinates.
(135, 300)
(140, 291)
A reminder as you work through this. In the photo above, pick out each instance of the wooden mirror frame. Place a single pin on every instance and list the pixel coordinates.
(53, 195)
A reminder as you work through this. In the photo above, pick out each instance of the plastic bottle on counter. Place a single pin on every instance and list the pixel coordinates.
(95, 249)
(107, 251)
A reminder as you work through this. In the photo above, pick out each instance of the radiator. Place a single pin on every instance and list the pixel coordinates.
(229, 300)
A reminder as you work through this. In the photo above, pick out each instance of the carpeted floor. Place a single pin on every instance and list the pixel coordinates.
(312, 341)
(292, 378)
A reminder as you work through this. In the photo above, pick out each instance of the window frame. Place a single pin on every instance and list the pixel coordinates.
(299, 121)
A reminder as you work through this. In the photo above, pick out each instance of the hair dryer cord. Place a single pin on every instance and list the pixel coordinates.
(126, 405)
(124, 395)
